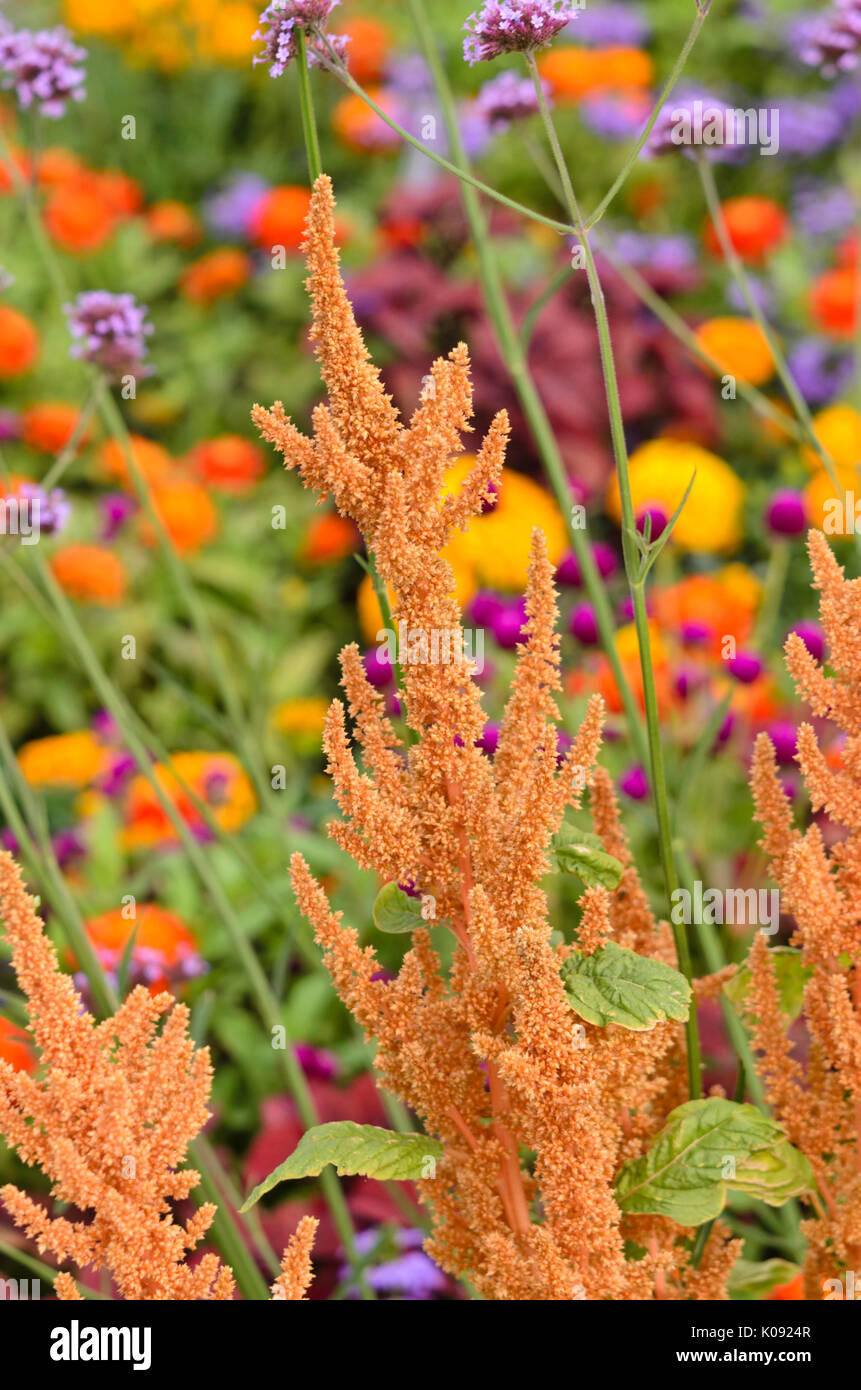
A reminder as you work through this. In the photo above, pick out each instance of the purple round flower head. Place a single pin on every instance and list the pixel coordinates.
(506, 98)
(114, 781)
(104, 726)
(316, 1062)
(279, 24)
(745, 667)
(725, 729)
(507, 626)
(834, 42)
(489, 739)
(605, 558)
(68, 845)
(9, 426)
(808, 126)
(626, 609)
(378, 668)
(41, 513)
(109, 331)
(116, 508)
(229, 210)
(568, 571)
(9, 841)
(484, 607)
(634, 783)
(687, 679)
(514, 26)
(821, 371)
(615, 115)
(695, 634)
(669, 253)
(693, 122)
(611, 25)
(394, 705)
(784, 736)
(43, 68)
(583, 625)
(812, 636)
(785, 514)
(657, 515)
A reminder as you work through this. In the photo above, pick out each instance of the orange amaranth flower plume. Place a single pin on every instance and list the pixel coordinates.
(488, 1052)
(820, 1106)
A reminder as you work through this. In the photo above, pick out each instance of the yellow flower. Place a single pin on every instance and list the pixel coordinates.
(838, 429)
(741, 584)
(739, 347)
(628, 646)
(302, 715)
(63, 760)
(661, 470)
(824, 503)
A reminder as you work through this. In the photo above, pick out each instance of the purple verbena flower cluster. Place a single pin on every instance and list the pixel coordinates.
(110, 332)
(834, 43)
(43, 68)
(282, 20)
(514, 26)
(506, 98)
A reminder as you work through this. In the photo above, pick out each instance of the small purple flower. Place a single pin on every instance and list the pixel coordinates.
(67, 846)
(378, 668)
(279, 24)
(10, 426)
(785, 514)
(110, 332)
(508, 625)
(506, 98)
(634, 783)
(696, 634)
(605, 558)
(611, 25)
(834, 43)
(821, 371)
(489, 740)
(484, 607)
(657, 518)
(114, 781)
(583, 624)
(514, 26)
(568, 571)
(116, 508)
(812, 636)
(229, 210)
(40, 513)
(43, 68)
(745, 667)
(784, 736)
(316, 1062)
(669, 253)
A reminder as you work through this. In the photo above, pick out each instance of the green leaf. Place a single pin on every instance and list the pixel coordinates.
(395, 911)
(619, 986)
(752, 1280)
(683, 1174)
(578, 852)
(363, 1149)
(774, 1175)
(791, 974)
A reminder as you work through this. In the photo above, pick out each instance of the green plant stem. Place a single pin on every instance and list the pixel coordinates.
(702, 9)
(306, 107)
(772, 591)
(44, 1272)
(514, 357)
(636, 584)
(68, 454)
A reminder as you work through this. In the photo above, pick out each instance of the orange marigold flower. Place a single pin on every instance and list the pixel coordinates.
(15, 1047)
(228, 462)
(186, 511)
(79, 218)
(171, 220)
(50, 425)
(838, 429)
(19, 342)
(369, 47)
(91, 573)
(824, 504)
(22, 164)
(154, 462)
(833, 302)
(216, 275)
(279, 217)
(755, 226)
(329, 537)
(792, 1292)
(217, 779)
(739, 347)
(58, 166)
(62, 760)
(122, 194)
(578, 72)
(360, 128)
(164, 948)
(716, 604)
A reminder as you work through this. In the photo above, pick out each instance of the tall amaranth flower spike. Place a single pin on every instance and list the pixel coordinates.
(514, 26)
(110, 332)
(43, 68)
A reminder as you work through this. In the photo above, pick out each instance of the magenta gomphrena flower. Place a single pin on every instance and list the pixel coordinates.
(43, 68)
(506, 98)
(785, 514)
(834, 43)
(282, 20)
(110, 332)
(514, 26)
(635, 783)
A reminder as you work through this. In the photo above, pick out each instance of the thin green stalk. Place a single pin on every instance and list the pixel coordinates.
(703, 7)
(636, 578)
(44, 1272)
(306, 107)
(772, 591)
(514, 357)
(68, 454)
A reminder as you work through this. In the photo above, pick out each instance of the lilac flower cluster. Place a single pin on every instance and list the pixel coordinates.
(43, 68)
(506, 98)
(282, 20)
(834, 42)
(514, 26)
(110, 332)
(37, 512)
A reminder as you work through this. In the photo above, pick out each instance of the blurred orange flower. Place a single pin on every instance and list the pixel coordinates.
(15, 1047)
(578, 72)
(163, 943)
(50, 425)
(152, 460)
(838, 429)
(360, 128)
(78, 218)
(330, 537)
(229, 462)
(122, 194)
(369, 47)
(62, 760)
(833, 302)
(19, 342)
(279, 217)
(217, 780)
(58, 166)
(717, 602)
(755, 225)
(173, 221)
(186, 512)
(91, 573)
(739, 347)
(216, 275)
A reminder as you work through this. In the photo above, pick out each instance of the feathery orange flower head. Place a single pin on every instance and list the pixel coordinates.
(328, 538)
(174, 222)
(229, 463)
(91, 573)
(49, 426)
(833, 302)
(217, 275)
(660, 471)
(63, 760)
(279, 217)
(756, 226)
(739, 348)
(186, 511)
(153, 462)
(164, 953)
(217, 779)
(79, 218)
(19, 342)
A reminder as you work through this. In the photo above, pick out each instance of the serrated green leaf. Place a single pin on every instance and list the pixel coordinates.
(773, 1175)
(615, 985)
(791, 975)
(354, 1149)
(578, 852)
(395, 911)
(682, 1174)
(752, 1280)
